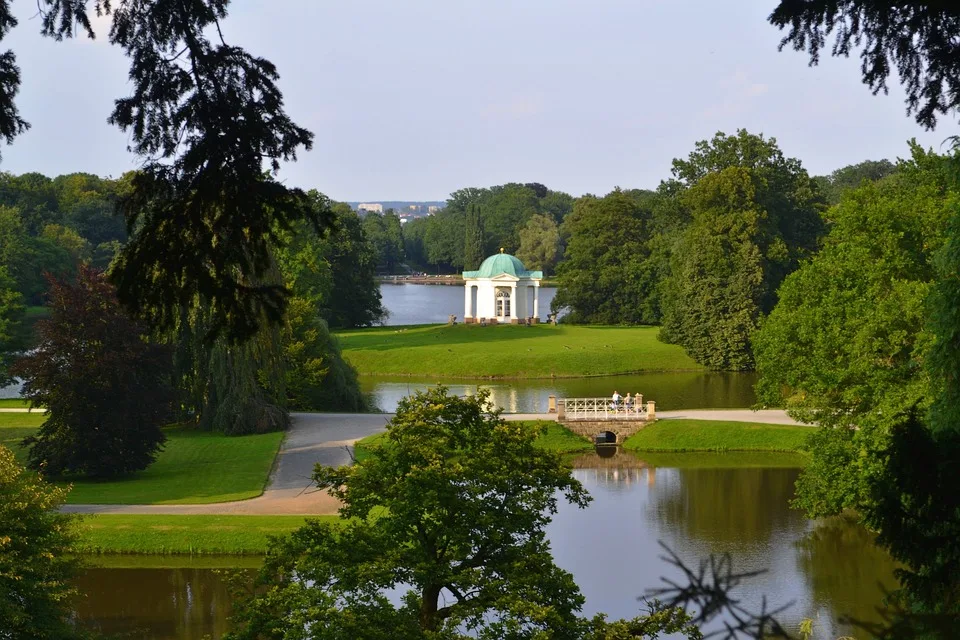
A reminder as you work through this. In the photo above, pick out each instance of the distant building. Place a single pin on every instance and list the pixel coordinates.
(433, 208)
(374, 207)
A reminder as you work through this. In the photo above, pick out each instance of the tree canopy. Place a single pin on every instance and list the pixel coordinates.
(106, 389)
(918, 39)
(203, 118)
(451, 512)
(36, 568)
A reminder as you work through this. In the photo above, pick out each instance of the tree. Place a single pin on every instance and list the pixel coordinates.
(105, 388)
(539, 243)
(355, 298)
(473, 244)
(713, 297)
(317, 376)
(852, 176)
(36, 565)
(848, 336)
(911, 497)
(605, 277)
(10, 311)
(451, 510)
(919, 39)
(203, 117)
(766, 212)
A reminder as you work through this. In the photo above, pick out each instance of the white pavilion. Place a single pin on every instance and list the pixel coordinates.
(501, 290)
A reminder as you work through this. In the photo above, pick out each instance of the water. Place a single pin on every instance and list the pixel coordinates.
(432, 304)
(692, 390)
(696, 504)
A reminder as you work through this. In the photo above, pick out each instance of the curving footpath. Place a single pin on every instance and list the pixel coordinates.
(328, 438)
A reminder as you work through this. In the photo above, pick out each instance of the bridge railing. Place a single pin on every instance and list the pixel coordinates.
(600, 409)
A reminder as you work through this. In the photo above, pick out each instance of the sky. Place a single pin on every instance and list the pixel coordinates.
(413, 100)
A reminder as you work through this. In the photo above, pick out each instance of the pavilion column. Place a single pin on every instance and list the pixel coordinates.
(468, 302)
(513, 301)
(536, 301)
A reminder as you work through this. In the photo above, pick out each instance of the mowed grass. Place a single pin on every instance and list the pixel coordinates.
(195, 467)
(714, 435)
(510, 351)
(555, 438)
(183, 535)
(13, 403)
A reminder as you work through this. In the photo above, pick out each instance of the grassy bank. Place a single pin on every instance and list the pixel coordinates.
(183, 535)
(13, 403)
(676, 435)
(195, 467)
(673, 436)
(510, 351)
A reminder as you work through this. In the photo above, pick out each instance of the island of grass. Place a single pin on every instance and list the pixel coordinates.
(510, 351)
(195, 467)
(665, 436)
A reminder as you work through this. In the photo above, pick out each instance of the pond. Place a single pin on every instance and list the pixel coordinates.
(670, 390)
(432, 304)
(696, 504)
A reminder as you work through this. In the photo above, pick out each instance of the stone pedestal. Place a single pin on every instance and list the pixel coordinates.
(551, 404)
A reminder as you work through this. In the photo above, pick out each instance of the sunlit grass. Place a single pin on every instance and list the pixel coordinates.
(510, 351)
(713, 435)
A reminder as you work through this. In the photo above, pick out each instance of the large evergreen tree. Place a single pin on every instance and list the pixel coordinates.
(203, 117)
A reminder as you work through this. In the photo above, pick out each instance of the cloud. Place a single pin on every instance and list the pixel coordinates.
(737, 94)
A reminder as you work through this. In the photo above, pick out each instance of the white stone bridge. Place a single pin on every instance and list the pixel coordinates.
(600, 420)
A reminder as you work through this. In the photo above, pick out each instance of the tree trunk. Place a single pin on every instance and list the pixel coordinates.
(428, 608)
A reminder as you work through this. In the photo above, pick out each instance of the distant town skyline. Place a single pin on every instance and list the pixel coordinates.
(440, 96)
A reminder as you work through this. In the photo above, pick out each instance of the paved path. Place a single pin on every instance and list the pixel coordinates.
(327, 438)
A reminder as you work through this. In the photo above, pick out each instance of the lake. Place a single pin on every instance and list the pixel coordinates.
(670, 390)
(697, 504)
(432, 304)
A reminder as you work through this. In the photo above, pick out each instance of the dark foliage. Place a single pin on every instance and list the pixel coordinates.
(205, 117)
(105, 388)
(919, 39)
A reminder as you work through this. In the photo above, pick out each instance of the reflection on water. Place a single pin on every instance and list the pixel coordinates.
(690, 390)
(703, 505)
(154, 603)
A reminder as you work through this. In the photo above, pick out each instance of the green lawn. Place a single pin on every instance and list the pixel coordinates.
(709, 435)
(195, 467)
(13, 403)
(188, 535)
(510, 351)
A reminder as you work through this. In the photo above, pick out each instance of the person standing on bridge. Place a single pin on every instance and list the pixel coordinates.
(616, 399)
(627, 401)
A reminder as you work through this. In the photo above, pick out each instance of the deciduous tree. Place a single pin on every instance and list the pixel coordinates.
(36, 565)
(106, 388)
(450, 511)
(539, 243)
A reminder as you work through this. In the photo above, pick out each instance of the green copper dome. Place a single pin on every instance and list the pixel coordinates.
(502, 263)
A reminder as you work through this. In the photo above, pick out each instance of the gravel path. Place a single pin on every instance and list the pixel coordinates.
(327, 438)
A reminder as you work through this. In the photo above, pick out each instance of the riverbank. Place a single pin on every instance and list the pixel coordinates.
(192, 535)
(673, 435)
(510, 351)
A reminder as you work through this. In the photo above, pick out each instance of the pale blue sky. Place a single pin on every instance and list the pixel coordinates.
(414, 99)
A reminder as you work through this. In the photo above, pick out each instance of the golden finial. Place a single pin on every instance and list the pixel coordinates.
(501, 249)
